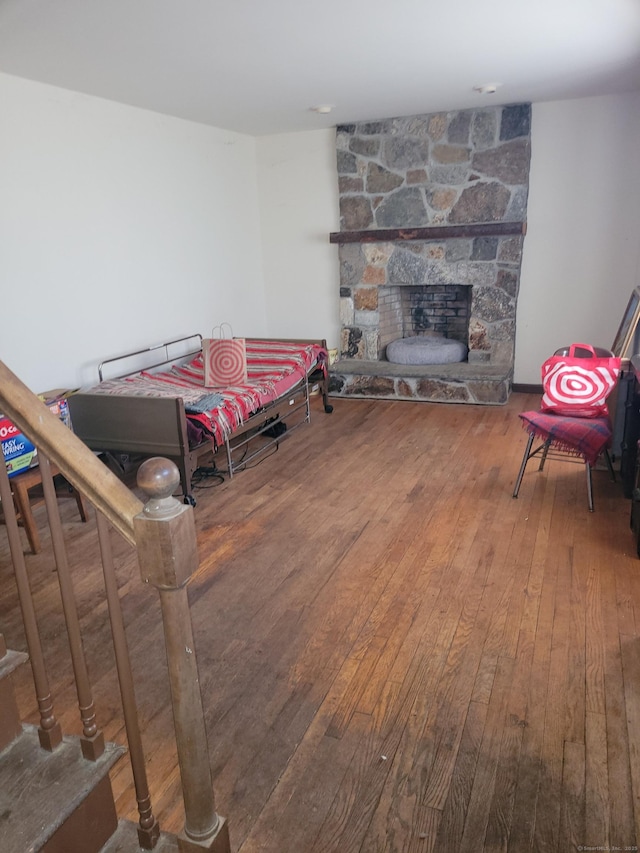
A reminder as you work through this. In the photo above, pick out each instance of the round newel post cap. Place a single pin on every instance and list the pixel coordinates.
(158, 478)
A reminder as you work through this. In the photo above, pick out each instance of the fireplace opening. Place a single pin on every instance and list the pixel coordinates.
(438, 311)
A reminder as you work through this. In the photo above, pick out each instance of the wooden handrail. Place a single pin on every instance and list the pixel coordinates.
(74, 459)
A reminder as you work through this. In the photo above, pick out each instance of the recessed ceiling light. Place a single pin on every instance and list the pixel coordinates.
(322, 108)
(487, 88)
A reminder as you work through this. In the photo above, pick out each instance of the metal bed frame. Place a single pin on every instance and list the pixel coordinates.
(157, 426)
(156, 361)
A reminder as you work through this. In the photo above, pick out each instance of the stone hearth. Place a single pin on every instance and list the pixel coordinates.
(437, 383)
(437, 204)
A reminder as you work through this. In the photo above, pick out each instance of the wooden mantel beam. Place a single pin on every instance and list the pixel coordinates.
(432, 232)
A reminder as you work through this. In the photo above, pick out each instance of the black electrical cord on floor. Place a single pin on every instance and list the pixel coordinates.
(204, 474)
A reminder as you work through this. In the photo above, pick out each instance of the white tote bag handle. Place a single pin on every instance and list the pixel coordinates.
(221, 331)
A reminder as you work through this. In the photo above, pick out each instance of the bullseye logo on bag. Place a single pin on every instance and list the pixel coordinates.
(225, 362)
(572, 384)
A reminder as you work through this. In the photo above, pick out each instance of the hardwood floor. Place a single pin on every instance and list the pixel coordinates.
(395, 655)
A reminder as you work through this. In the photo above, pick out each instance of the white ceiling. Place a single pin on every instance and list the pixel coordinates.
(258, 66)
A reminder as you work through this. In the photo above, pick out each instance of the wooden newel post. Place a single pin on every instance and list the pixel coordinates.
(167, 553)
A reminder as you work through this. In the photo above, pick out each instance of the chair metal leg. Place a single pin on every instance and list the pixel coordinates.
(589, 477)
(609, 465)
(589, 486)
(545, 450)
(525, 459)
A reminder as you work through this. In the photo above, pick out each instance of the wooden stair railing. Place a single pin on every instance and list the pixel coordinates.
(76, 462)
(163, 532)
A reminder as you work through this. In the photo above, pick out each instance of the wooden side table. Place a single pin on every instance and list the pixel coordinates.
(20, 486)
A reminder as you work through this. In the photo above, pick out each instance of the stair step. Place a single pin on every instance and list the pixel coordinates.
(125, 840)
(10, 725)
(11, 661)
(39, 790)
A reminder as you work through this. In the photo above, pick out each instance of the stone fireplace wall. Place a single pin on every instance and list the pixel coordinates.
(405, 176)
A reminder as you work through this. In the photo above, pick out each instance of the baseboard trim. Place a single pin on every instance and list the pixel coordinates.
(523, 388)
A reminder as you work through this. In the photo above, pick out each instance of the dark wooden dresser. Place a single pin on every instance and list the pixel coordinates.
(629, 456)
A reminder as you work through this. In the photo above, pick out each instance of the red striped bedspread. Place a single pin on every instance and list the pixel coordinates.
(273, 369)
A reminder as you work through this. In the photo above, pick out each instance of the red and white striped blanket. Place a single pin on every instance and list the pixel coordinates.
(273, 369)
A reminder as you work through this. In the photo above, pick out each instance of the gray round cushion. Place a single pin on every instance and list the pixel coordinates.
(426, 350)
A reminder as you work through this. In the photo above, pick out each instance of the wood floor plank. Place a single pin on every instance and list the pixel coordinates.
(454, 813)
(435, 754)
(307, 784)
(620, 782)
(627, 604)
(516, 721)
(572, 811)
(576, 665)
(483, 684)
(477, 816)
(548, 799)
(597, 814)
(594, 638)
(363, 786)
(535, 578)
(532, 772)
(630, 654)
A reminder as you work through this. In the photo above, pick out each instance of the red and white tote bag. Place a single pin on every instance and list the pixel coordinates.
(225, 359)
(576, 386)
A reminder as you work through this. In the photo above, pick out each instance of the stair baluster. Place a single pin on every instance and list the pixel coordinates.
(92, 740)
(49, 731)
(148, 827)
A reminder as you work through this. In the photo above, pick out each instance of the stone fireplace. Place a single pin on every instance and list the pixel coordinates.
(433, 213)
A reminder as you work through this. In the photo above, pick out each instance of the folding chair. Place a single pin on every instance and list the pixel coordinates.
(572, 439)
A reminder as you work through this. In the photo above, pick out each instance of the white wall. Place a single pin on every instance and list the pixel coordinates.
(582, 248)
(119, 228)
(298, 186)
